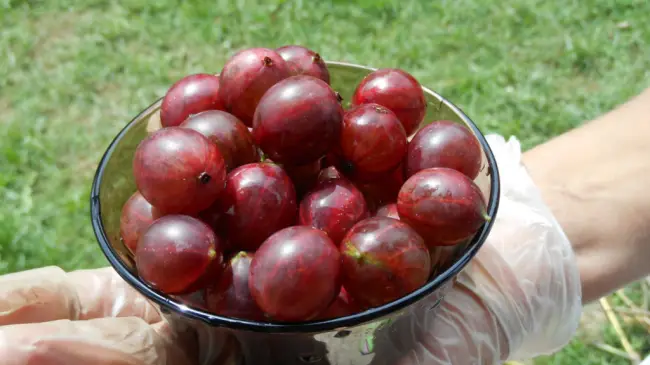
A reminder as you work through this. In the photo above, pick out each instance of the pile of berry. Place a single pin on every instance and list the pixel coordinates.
(262, 198)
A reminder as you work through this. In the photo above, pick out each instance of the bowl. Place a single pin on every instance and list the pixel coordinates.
(347, 340)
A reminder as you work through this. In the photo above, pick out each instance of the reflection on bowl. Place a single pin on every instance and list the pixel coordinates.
(346, 340)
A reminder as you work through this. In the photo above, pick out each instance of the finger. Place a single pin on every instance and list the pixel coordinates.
(49, 294)
(104, 341)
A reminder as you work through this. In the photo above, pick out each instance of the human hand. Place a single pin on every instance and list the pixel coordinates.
(49, 317)
(520, 297)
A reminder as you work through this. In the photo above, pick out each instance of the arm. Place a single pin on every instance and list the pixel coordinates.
(596, 180)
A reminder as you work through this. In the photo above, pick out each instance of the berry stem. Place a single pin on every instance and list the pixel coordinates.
(268, 61)
(204, 178)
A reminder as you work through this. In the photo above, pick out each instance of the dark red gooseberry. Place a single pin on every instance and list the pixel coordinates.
(190, 95)
(246, 76)
(383, 190)
(398, 91)
(232, 137)
(304, 61)
(304, 177)
(194, 299)
(176, 252)
(342, 306)
(443, 205)
(137, 216)
(298, 120)
(444, 144)
(388, 210)
(178, 170)
(230, 295)
(259, 199)
(441, 258)
(213, 272)
(334, 206)
(383, 259)
(295, 274)
(372, 142)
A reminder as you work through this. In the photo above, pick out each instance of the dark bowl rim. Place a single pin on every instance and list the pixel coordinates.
(169, 305)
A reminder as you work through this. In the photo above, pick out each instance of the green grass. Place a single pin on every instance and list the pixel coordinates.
(72, 75)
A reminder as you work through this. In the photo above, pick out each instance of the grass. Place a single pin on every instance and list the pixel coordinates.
(72, 74)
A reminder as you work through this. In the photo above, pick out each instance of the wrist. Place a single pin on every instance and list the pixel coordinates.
(600, 199)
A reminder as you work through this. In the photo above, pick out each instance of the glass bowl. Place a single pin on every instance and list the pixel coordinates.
(346, 340)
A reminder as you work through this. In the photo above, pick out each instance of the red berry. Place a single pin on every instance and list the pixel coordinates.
(259, 199)
(304, 177)
(190, 95)
(384, 190)
(372, 142)
(442, 205)
(304, 61)
(230, 296)
(294, 275)
(178, 170)
(398, 91)
(298, 120)
(175, 252)
(232, 137)
(334, 206)
(444, 144)
(383, 260)
(388, 210)
(342, 306)
(137, 216)
(246, 77)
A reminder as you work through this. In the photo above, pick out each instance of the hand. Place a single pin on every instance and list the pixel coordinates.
(520, 297)
(49, 317)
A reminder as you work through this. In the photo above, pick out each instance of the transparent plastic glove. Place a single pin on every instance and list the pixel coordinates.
(519, 298)
(49, 317)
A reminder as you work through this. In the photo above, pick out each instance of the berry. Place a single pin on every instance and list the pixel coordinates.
(382, 191)
(383, 260)
(137, 216)
(304, 61)
(442, 205)
(396, 90)
(178, 170)
(294, 275)
(444, 144)
(190, 95)
(304, 177)
(259, 199)
(232, 137)
(230, 295)
(246, 77)
(342, 306)
(176, 252)
(373, 142)
(298, 120)
(334, 206)
(388, 210)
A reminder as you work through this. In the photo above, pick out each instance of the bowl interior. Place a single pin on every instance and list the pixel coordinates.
(114, 184)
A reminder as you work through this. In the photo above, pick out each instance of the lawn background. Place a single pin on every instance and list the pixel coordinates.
(72, 73)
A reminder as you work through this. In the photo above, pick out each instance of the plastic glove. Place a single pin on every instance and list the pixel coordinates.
(520, 297)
